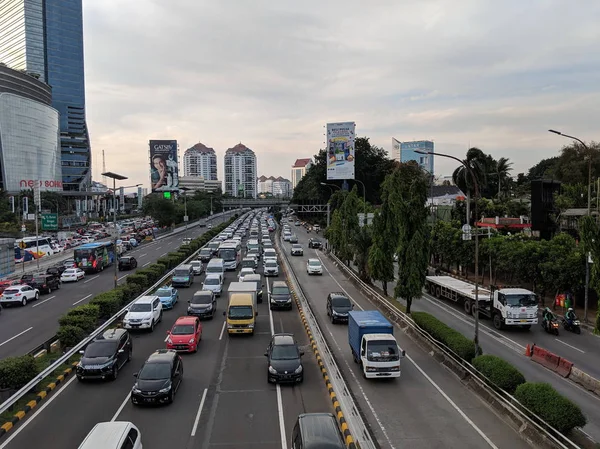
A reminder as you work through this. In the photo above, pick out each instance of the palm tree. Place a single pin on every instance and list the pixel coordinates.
(477, 161)
(503, 169)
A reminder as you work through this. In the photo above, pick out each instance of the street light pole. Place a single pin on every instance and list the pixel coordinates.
(185, 215)
(589, 212)
(364, 198)
(114, 177)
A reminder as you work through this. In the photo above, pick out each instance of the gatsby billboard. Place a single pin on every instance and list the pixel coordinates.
(164, 170)
(340, 150)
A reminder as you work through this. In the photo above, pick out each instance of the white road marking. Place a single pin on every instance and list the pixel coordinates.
(335, 280)
(18, 335)
(197, 420)
(122, 277)
(567, 344)
(82, 299)
(147, 263)
(222, 330)
(39, 303)
(158, 247)
(91, 279)
(163, 254)
(142, 255)
(39, 410)
(120, 409)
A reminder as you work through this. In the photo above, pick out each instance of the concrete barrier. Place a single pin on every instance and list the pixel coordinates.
(564, 368)
(41, 353)
(585, 380)
(545, 358)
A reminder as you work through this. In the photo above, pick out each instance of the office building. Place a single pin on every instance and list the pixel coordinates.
(408, 153)
(396, 150)
(200, 160)
(299, 169)
(272, 186)
(265, 185)
(240, 172)
(199, 184)
(45, 39)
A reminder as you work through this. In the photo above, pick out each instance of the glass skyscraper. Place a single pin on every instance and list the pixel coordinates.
(45, 37)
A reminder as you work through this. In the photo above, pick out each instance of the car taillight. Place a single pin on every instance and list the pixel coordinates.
(17, 294)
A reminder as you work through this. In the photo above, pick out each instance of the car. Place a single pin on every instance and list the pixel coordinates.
(287, 236)
(185, 335)
(284, 360)
(159, 378)
(280, 296)
(205, 255)
(72, 275)
(314, 266)
(113, 435)
(197, 266)
(214, 283)
(293, 238)
(145, 313)
(297, 250)
(297, 223)
(269, 253)
(254, 253)
(6, 284)
(168, 296)
(249, 262)
(105, 355)
(244, 272)
(44, 282)
(127, 263)
(210, 226)
(19, 294)
(271, 267)
(338, 306)
(56, 271)
(203, 304)
(314, 243)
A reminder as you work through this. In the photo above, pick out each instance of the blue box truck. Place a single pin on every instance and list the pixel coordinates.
(374, 348)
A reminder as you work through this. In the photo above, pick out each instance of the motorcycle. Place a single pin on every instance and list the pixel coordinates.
(551, 326)
(572, 326)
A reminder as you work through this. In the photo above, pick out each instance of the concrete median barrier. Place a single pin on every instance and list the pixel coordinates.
(545, 358)
(585, 380)
(564, 368)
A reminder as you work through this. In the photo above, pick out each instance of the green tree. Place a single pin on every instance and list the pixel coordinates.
(385, 236)
(590, 237)
(362, 244)
(160, 209)
(349, 217)
(503, 169)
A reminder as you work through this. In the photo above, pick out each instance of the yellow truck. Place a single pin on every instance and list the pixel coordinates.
(241, 313)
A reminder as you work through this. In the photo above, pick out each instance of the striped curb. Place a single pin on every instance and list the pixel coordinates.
(7, 426)
(349, 440)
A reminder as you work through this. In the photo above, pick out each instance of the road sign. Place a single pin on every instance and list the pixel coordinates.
(37, 199)
(361, 219)
(186, 218)
(49, 222)
(23, 228)
(22, 245)
(467, 232)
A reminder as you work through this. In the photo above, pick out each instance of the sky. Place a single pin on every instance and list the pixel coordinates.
(271, 74)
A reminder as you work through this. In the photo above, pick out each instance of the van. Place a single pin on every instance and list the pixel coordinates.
(315, 431)
(241, 314)
(113, 435)
(216, 266)
(183, 276)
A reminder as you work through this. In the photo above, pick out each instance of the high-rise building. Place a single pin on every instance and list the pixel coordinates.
(279, 187)
(200, 160)
(45, 38)
(240, 172)
(396, 149)
(408, 153)
(299, 170)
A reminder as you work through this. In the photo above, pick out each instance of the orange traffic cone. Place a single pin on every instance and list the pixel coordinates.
(528, 350)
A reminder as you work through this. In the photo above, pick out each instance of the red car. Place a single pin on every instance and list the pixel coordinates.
(185, 334)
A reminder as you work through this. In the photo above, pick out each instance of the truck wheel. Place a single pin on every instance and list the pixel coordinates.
(498, 322)
(438, 292)
(467, 307)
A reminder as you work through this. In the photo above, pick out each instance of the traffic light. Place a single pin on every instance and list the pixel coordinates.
(167, 195)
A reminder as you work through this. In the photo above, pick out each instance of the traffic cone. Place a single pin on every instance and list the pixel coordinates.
(528, 350)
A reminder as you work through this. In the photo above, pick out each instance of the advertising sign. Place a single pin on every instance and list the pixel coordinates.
(122, 198)
(164, 169)
(49, 222)
(340, 150)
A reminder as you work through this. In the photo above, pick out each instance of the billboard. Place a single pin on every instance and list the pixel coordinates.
(408, 153)
(340, 150)
(164, 169)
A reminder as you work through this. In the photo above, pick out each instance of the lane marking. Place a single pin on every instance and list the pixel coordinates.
(335, 280)
(39, 303)
(147, 263)
(39, 410)
(91, 279)
(222, 330)
(567, 344)
(163, 254)
(197, 420)
(122, 277)
(18, 335)
(142, 255)
(158, 247)
(120, 409)
(82, 299)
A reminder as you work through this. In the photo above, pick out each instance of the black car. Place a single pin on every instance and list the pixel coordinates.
(203, 304)
(280, 297)
(127, 263)
(56, 271)
(284, 357)
(44, 282)
(338, 306)
(315, 243)
(205, 255)
(105, 356)
(159, 379)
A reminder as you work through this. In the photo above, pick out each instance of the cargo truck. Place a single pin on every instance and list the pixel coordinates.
(373, 346)
(506, 307)
(244, 287)
(240, 314)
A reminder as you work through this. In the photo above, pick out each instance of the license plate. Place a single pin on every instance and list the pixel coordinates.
(135, 325)
(240, 331)
(523, 321)
(149, 399)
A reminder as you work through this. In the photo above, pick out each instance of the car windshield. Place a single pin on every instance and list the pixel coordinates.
(155, 371)
(340, 301)
(163, 293)
(196, 263)
(211, 281)
(183, 329)
(141, 308)
(383, 350)
(314, 263)
(125, 259)
(201, 299)
(270, 263)
(316, 241)
(69, 272)
(297, 246)
(205, 252)
(252, 246)
(40, 279)
(521, 300)
(181, 273)
(284, 352)
(248, 263)
(281, 291)
(240, 312)
(100, 349)
(228, 254)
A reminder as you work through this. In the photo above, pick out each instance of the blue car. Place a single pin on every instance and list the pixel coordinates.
(168, 296)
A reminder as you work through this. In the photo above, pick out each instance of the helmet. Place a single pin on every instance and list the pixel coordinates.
(570, 309)
(547, 309)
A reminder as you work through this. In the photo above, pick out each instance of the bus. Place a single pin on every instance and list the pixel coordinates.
(94, 257)
(231, 254)
(34, 248)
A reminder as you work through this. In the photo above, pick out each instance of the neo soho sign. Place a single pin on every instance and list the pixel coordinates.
(31, 183)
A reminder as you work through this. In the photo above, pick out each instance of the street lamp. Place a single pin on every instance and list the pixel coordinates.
(115, 177)
(589, 212)
(185, 215)
(476, 185)
(364, 197)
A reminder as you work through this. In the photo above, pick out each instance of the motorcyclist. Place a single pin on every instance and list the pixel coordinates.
(570, 315)
(548, 316)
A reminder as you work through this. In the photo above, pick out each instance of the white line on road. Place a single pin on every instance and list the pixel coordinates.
(42, 302)
(39, 410)
(120, 409)
(163, 254)
(122, 277)
(147, 263)
(335, 280)
(91, 279)
(158, 247)
(567, 344)
(142, 255)
(197, 420)
(18, 335)
(222, 330)
(82, 299)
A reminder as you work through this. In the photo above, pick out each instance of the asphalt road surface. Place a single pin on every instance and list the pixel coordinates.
(25, 328)
(427, 406)
(224, 402)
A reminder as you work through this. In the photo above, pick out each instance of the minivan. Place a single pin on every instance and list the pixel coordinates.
(183, 276)
(113, 435)
(216, 266)
(316, 430)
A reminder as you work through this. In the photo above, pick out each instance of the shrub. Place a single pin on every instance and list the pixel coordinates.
(139, 279)
(150, 275)
(159, 266)
(85, 323)
(551, 406)
(91, 311)
(164, 261)
(457, 342)
(500, 372)
(70, 335)
(182, 256)
(129, 292)
(16, 372)
(109, 303)
(185, 249)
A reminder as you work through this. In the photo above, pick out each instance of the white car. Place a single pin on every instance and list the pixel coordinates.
(269, 253)
(313, 266)
(287, 236)
(145, 313)
(214, 283)
(244, 272)
(297, 250)
(271, 268)
(19, 294)
(197, 266)
(72, 275)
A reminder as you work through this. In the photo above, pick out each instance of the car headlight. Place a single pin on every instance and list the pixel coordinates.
(166, 389)
(136, 390)
(272, 370)
(229, 326)
(298, 370)
(334, 313)
(209, 307)
(191, 340)
(145, 320)
(251, 326)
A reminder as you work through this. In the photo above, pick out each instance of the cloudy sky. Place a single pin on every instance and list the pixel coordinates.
(271, 74)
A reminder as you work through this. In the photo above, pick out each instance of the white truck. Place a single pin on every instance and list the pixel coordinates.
(506, 307)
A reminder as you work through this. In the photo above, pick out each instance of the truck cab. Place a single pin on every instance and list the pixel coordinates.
(241, 314)
(515, 307)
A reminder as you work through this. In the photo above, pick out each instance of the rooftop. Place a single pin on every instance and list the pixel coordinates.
(301, 163)
(239, 148)
(200, 148)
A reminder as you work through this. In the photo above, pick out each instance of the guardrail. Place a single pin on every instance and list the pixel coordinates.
(350, 415)
(66, 356)
(532, 428)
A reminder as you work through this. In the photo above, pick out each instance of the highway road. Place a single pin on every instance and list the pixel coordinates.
(224, 402)
(427, 406)
(25, 328)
